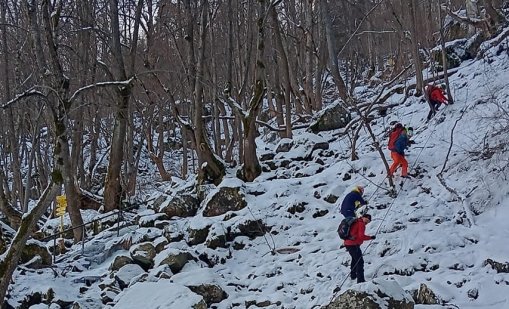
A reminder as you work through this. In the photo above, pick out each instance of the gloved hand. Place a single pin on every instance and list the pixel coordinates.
(373, 237)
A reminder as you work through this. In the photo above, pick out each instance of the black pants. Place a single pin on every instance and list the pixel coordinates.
(357, 265)
(433, 108)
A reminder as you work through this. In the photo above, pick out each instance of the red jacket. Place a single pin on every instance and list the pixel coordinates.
(437, 95)
(357, 232)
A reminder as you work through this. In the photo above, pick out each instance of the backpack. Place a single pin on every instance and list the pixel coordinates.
(429, 89)
(393, 136)
(344, 228)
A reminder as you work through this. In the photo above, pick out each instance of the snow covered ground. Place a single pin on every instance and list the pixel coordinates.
(424, 235)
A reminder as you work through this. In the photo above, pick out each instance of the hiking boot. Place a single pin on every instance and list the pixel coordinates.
(406, 176)
(353, 277)
(360, 280)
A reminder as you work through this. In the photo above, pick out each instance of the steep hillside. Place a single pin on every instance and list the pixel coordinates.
(275, 245)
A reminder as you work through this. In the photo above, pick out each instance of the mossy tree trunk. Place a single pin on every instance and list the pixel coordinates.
(9, 260)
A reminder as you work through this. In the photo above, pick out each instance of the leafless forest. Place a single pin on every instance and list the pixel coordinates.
(90, 88)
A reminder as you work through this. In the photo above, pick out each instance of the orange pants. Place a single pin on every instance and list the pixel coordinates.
(398, 160)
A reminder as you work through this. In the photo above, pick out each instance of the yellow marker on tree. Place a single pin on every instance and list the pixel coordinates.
(60, 209)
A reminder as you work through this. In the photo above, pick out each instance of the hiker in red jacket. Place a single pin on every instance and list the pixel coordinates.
(354, 247)
(436, 96)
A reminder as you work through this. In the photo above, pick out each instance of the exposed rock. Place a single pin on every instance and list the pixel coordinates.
(298, 207)
(119, 261)
(425, 296)
(217, 241)
(126, 273)
(499, 267)
(252, 228)
(108, 295)
(284, 145)
(176, 261)
(143, 254)
(35, 248)
(160, 243)
(331, 198)
(267, 156)
(150, 220)
(211, 293)
(333, 117)
(473, 293)
(197, 235)
(185, 205)
(387, 295)
(223, 200)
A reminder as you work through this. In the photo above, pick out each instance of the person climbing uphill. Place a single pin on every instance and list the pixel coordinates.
(352, 201)
(436, 96)
(353, 246)
(398, 155)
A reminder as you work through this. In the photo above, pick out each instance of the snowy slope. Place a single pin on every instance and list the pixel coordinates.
(423, 235)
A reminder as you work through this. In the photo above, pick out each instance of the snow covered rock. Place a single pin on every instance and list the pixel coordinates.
(143, 254)
(376, 294)
(161, 294)
(425, 296)
(333, 117)
(197, 235)
(184, 205)
(126, 273)
(223, 200)
(120, 261)
(499, 267)
(175, 259)
(284, 145)
(211, 293)
(35, 248)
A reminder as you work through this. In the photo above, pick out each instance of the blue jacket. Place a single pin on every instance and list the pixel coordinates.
(348, 206)
(401, 144)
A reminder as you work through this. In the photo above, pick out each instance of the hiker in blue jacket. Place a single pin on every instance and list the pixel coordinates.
(352, 201)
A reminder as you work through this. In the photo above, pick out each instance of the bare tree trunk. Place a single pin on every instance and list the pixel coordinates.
(415, 48)
(444, 56)
(17, 186)
(9, 260)
(214, 169)
(13, 215)
(112, 185)
(251, 167)
(331, 49)
(59, 106)
(284, 67)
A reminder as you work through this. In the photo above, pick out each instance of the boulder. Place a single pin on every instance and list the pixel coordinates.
(425, 296)
(35, 248)
(143, 254)
(185, 205)
(197, 235)
(284, 145)
(176, 260)
(120, 261)
(499, 267)
(333, 117)
(377, 294)
(223, 200)
(126, 273)
(211, 293)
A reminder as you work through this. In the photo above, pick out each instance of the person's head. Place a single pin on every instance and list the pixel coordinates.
(442, 86)
(409, 131)
(398, 125)
(359, 189)
(366, 218)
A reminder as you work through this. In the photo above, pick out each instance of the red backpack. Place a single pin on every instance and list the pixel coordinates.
(393, 136)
